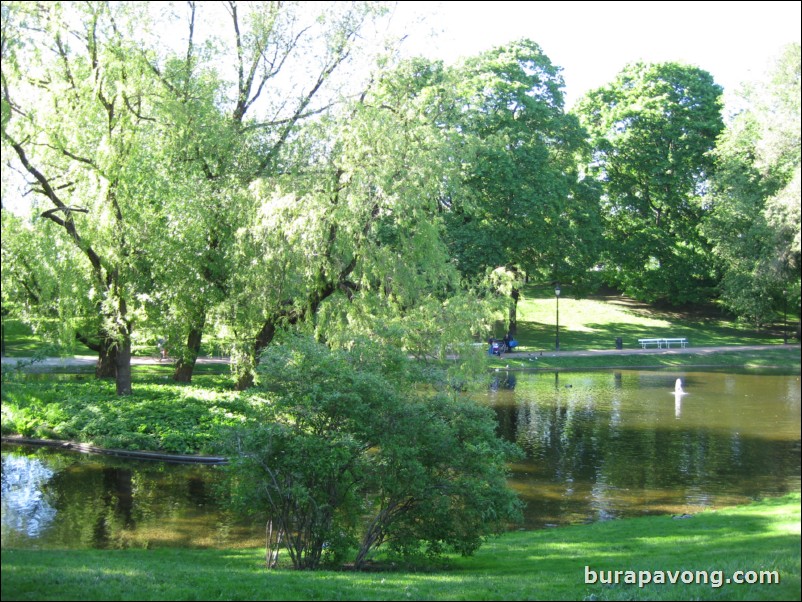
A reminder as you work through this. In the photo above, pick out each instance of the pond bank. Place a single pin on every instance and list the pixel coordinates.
(119, 453)
(760, 539)
(785, 357)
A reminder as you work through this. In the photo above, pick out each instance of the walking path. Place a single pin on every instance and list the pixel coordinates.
(78, 361)
(655, 351)
(88, 361)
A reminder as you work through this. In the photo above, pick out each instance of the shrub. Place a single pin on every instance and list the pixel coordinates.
(350, 450)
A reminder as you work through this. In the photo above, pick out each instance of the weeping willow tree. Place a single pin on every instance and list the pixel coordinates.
(78, 114)
(141, 152)
(351, 244)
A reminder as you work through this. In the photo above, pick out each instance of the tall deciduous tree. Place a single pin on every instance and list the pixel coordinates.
(145, 154)
(521, 203)
(652, 130)
(754, 225)
(353, 239)
(284, 60)
(80, 122)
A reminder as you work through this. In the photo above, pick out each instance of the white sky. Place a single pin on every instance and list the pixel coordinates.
(592, 41)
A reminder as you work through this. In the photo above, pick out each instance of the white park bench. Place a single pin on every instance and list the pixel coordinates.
(663, 342)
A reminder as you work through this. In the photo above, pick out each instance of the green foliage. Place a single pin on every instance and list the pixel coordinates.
(143, 154)
(157, 417)
(350, 449)
(519, 199)
(652, 131)
(754, 225)
(44, 286)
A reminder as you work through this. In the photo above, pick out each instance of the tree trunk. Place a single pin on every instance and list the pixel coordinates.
(186, 363)
(512, 330)
(290, 317)
(106, 349)
(244, 381)
(123, 366)
(106, 366)
(263, 339)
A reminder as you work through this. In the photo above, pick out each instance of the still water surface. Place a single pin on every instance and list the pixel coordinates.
(603, 445)
(599, 445)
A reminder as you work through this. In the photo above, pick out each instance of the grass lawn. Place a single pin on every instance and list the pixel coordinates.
(19, 340)
(589, 323)
(595, 323)
(711, 547)
(784, 358)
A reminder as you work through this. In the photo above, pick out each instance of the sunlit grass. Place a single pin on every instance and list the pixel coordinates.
(783, 358)
(596, 322)
(538, 565)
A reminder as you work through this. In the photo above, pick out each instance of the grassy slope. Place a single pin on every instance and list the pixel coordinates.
(542, 565)
(596, 322)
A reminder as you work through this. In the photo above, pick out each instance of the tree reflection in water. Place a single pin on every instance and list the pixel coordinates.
(25, 508)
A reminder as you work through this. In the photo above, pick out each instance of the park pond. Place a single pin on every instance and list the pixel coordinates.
(598, 445)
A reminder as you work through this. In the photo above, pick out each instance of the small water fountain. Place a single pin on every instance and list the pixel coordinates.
(678, 393)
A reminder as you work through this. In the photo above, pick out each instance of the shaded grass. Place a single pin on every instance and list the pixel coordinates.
(542, 565)
(19, 339)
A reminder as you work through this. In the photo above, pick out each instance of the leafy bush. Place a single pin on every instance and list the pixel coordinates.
(351, 451)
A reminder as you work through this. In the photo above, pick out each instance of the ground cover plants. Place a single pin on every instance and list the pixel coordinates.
(160, 416)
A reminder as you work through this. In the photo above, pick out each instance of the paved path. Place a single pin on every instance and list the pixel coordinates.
(78, 361)
(653, 351)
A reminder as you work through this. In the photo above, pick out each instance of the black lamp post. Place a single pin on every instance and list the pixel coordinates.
(557, 338)
(785, 317)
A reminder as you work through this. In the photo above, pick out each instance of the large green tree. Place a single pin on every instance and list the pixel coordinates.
(144, 152)
(652, 130)
(283, 60)
(78, 115)
(353, 237)
(754, 225)
(520, 203)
